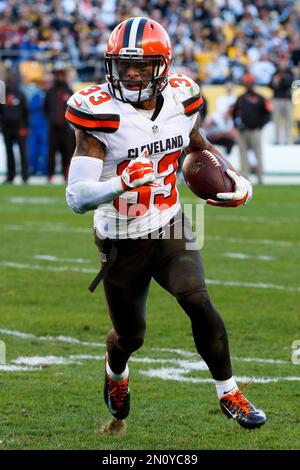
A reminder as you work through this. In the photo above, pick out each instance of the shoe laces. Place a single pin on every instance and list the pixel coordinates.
(118, 390)
(237, 401)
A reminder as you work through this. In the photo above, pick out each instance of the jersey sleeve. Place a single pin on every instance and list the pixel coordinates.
(83, 115)
(187, 92)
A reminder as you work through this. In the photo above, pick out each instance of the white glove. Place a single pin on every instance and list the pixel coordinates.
(241, 195)
(137, 173)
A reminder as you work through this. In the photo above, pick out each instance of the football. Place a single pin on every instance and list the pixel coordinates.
(205, 174)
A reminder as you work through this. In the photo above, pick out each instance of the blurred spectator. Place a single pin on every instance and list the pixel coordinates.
(218, 69)
(14, 122)
(220, 130)
(250, 113)
(219, 127)
(213, 40)
(262, 70)
(228, 34)
(61, 136)
(282, 104)
(238, 67)
(38, 130)
(224, 103)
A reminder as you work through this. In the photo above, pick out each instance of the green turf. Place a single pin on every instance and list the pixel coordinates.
(61, 406)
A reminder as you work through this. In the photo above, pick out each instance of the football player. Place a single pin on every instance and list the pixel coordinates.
(130, 133)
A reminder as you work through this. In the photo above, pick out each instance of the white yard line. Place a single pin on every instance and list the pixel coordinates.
(41, 267)
(45, 228)
(60, 228)
(260, 360)
(254, 285)
(165, 373)
(253, 241)
(181, 352)
(34, 200)
(184, 353)
(44, 360)
(59, 338)
(198, 364)
(18, 334)
(58, 259)
(178, 376)
(13, 368)
(185, 365)
(182, 365)
(34, 209)
(68, 339)
(246, 256)
(260, 219)
(178, 370)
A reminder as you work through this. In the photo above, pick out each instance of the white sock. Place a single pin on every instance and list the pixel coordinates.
(225, 386)
(117, 377)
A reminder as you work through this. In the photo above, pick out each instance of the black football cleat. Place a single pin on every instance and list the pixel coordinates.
(235, 405)
(116, 395)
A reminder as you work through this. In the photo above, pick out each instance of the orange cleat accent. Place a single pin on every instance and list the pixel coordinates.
(235, 405)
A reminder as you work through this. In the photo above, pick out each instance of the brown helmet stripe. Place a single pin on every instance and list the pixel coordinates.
(140, 32)
(127, 32)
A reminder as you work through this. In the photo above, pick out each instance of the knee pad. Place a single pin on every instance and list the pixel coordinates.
(202, 313)
(193, 293)
(129, 344)
(187, 275)
(197, 303)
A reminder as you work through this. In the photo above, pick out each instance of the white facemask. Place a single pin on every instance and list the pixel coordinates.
(133, 95)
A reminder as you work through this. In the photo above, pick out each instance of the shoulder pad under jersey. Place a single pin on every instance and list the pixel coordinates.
(92, 109)
(186, 92)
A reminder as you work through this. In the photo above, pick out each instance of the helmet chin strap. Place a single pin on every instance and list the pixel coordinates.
(133, 95)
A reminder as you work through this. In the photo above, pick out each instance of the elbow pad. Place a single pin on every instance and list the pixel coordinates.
(84, 191)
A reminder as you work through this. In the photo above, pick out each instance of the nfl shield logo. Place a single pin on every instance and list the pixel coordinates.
(155, 129)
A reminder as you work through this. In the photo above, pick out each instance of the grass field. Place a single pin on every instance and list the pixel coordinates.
(51, 385)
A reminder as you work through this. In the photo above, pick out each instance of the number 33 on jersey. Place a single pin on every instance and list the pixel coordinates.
(127, 133)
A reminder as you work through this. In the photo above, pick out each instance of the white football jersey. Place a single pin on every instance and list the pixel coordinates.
(126, 132)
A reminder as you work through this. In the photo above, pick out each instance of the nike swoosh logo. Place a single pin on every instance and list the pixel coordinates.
(225, 393)
(78, 103)
(233, 415)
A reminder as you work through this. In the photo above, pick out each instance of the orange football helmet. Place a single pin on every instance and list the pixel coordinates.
(144, 45)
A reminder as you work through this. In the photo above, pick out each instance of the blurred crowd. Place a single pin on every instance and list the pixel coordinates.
(214, 40)
(52, 45)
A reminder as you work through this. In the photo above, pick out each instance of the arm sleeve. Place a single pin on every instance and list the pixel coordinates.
(84, 191)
